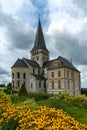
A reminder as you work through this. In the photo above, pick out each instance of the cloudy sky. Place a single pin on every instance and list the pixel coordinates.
(64, 25)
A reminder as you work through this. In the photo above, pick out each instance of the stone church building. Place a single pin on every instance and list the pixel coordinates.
(40, 74)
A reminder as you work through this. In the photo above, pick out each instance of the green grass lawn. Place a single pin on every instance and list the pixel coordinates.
(78, 111)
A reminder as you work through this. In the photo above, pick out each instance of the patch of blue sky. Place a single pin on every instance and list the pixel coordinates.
(27, 16)
(41, 6)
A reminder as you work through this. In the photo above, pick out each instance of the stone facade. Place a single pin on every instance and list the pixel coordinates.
(39, 74)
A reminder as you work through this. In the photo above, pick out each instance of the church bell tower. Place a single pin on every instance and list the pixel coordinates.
(39, 52)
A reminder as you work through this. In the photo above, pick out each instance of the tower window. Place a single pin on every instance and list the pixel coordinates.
(24, 75)
(18, 75)
(52, 74)
(52, 84)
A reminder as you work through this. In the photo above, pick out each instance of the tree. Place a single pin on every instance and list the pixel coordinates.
(22, 90)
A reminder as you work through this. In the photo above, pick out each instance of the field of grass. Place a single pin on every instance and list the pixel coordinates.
(75, 106)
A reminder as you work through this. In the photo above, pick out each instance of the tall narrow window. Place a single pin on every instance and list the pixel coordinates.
(59, 84)
(38, 72)
(52, 74)
(33, 70)
(12, 75)
(39, 84)
(68, 85)
(37, 57)
(31, 85)
(44, 84)
(43, 58)
(52, 84)
(18, 75)
(13, 84)
(24, 75)
(59, 73)
(18, 84)
(67, 73)
(43, 72)
(72, 75)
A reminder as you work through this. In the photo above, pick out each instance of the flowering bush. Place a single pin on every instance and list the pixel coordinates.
(13, 117)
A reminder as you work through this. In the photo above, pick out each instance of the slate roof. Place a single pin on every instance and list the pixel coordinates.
(25, 62)
(31, 63)
(64, 63)
(39, 77)
(47, 64)
(39, 39)
(19, 63)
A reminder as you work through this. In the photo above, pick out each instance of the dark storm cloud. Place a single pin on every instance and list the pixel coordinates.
(18, 34)
(3, 71)
(69, 47)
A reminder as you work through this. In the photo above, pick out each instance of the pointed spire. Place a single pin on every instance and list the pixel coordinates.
(39, 39)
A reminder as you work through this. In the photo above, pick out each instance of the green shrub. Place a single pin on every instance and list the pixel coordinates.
(22, 90)
(39, 96)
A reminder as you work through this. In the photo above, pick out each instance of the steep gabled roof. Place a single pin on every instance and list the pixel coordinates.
(19, 63)
(64, 63)
(39, 39)
(31, 63)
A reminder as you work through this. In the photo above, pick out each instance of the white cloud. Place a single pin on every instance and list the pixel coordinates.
(14, 6)
(65, 15)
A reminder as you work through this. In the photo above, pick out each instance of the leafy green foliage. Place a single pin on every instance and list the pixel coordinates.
(39, 96)
(76, 106)
(22, 90)
(84, 91)
(8, 89)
